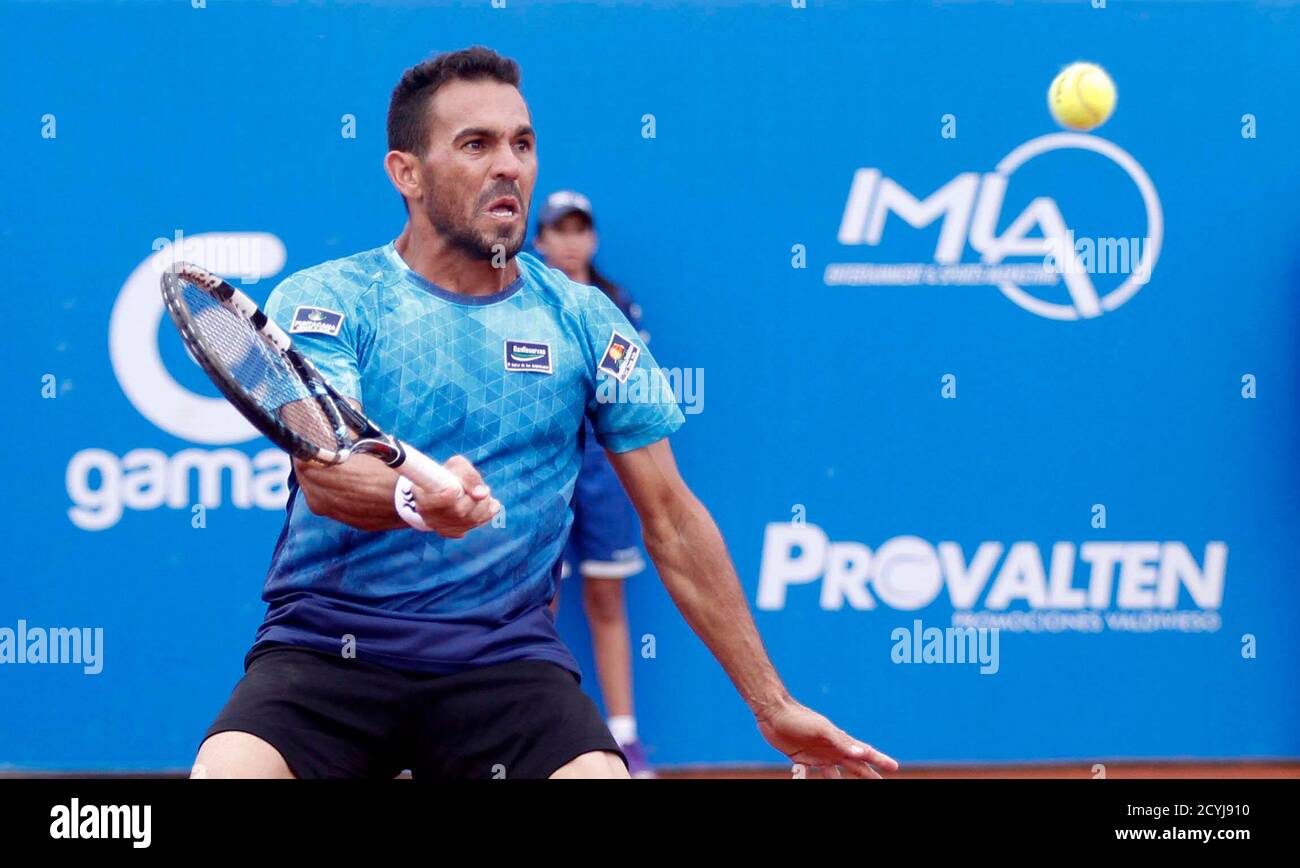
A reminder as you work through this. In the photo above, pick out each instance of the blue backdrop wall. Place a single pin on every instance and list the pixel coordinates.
(1103, 467)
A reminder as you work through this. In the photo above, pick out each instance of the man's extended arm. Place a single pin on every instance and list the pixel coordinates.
(692, 560)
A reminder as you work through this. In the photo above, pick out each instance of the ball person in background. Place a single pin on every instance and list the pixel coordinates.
(406, 628)
(604, 543)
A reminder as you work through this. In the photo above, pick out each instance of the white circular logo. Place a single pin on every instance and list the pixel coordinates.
(906, 573)
(1086, 301)
(133, 334)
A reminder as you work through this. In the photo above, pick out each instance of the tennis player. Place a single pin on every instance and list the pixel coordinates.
(604, 542)
(408, 628)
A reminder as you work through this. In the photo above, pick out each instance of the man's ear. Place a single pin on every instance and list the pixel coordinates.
(404, 172)
(595, 242)
(539, 243)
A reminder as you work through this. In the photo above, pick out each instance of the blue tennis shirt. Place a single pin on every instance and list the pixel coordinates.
(505, 380)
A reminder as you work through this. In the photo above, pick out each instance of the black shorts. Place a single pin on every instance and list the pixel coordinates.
(333, 717)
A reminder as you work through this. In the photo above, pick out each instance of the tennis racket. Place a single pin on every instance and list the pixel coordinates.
(254, 364)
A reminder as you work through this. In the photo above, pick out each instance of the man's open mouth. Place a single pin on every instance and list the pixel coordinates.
(505, 208)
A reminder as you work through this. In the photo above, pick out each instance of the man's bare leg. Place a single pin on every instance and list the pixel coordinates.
(235, 754)
(596, 764)
(610, 642)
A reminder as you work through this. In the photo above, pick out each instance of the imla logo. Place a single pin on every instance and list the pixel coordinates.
(970, 207)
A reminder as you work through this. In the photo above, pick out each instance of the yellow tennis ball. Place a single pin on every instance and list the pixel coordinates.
(1082, 97)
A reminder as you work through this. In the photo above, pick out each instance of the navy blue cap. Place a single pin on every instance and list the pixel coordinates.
(561, 204)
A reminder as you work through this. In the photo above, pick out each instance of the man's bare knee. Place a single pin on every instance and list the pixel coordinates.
(235, 754)
(601, 764)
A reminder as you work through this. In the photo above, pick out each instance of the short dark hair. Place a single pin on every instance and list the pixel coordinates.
(408, 116)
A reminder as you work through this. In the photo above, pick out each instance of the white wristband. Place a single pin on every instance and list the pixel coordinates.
(404, 500)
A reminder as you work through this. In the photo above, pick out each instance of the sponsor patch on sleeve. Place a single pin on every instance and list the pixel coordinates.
(315, 321)
(620, 357)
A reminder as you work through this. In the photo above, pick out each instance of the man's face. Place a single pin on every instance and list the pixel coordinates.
(480, 166)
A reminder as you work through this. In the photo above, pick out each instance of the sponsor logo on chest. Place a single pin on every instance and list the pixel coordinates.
(528, 356)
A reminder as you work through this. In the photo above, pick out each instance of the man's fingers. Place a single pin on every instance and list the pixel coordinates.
(482, 512)
(809, 738)
(859, 769)
(440, 499)
(848, 768)
(469, 476)
(452, 515)
(452, 505)
(853, 749)
(869, 754)
(856, 757)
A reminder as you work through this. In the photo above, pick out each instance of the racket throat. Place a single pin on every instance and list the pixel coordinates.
(386, 449)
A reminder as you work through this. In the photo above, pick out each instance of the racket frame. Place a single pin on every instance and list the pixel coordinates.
(339, 412)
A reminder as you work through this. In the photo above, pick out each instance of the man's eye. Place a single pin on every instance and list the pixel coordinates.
(474, 145)
(524, 145)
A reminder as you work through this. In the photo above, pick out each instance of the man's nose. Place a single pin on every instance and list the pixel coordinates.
(507, 164)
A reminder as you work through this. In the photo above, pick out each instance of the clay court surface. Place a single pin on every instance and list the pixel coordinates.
(1114, 770)
(1063, 771)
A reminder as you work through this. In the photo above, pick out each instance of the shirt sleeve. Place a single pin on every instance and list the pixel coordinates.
(322, 327)
(634, 403)
(632, 311)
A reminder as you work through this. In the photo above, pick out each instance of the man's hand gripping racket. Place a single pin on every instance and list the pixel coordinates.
(254, 364)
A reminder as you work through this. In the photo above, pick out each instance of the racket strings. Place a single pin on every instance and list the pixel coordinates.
(260, 370)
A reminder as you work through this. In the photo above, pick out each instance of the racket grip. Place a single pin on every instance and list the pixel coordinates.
(424, 471)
